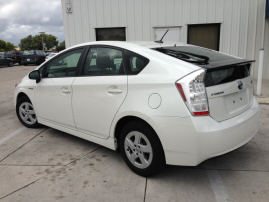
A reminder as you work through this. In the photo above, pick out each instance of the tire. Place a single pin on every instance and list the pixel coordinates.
(19, 63)
(11, 64)
(25, 64)
(141, 149)
(26, 114)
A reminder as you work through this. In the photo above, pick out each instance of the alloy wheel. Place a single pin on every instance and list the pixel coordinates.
(27, 113)
(138, 149)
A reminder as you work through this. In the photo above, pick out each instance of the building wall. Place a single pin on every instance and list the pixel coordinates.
(242, 22)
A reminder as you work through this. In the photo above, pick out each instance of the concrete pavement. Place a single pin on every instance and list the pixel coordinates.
(49, 165)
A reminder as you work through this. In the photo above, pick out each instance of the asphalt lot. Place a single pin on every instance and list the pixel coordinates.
(49, 165)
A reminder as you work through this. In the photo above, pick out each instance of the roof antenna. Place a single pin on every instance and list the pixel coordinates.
(161, 41)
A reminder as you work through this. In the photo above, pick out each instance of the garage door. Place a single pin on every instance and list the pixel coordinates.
(206, 35)
(173, 34)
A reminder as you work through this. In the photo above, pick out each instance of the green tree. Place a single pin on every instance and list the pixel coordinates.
(26, 43)
(61, 46)
(9, 46)
(50, 41)
(35, 42)
(2, 46)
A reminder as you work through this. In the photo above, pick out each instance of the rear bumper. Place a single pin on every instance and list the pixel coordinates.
(30, 62)
(191, 140)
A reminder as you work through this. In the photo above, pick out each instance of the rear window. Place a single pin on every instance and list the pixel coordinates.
(10, 52)
(135, 63)
(28, 52)
(226, 74)
(194, 53)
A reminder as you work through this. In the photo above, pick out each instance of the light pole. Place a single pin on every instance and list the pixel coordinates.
(42, 38)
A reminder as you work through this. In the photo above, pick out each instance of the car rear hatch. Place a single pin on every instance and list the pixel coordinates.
(228, 83)
(229, 90)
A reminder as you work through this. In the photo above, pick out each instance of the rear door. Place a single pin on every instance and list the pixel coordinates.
(100, 90)
(53, 94)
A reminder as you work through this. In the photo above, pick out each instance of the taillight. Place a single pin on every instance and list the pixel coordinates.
(15, 57)
(35, 57)
(192, 90)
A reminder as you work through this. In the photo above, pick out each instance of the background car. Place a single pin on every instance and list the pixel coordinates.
(14, 55)
(6, 61)
(47, 52)
(50, 56)
(33, 57)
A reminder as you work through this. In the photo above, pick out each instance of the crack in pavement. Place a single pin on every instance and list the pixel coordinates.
(50, 173)
(23, 145)
(27, 165)
(145, 189)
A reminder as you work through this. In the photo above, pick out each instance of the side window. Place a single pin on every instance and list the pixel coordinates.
(135, 63)
(103, 61)
(64, 65)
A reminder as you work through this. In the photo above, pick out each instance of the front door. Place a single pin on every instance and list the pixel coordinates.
(100, 90)
(54, 92)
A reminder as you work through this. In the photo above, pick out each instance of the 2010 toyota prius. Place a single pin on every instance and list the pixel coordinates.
(156, 103)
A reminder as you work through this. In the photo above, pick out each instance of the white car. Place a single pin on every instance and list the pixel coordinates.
(156, 103)
(50, 56)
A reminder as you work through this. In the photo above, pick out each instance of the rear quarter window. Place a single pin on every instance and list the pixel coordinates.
(134, 62)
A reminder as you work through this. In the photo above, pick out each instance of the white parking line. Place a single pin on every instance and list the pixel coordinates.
(3, 140)
(217, 185)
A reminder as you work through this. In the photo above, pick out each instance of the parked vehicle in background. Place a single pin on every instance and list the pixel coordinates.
(14, 55)
(33, 57)
(156, 103)
(5, 61)
(50, 56)
(47, 52)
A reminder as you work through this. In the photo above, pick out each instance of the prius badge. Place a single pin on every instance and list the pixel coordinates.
(240, 85)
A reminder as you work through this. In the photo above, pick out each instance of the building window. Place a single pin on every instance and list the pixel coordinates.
(204, 35)
(110, 34)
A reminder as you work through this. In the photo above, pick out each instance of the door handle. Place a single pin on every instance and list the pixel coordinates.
(116, 90)
(66, 90)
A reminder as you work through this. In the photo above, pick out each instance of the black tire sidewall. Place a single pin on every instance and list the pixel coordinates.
(20, 101)
(158, 160)
(11, 64)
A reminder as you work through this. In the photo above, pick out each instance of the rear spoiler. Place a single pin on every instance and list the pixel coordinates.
(225, 63)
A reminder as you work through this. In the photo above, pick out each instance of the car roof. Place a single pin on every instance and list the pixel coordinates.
(129, 45)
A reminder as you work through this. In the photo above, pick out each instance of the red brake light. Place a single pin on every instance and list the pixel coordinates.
(179, 87)
(193, 92)
(15, 57)
(35, 57)
(201, 113)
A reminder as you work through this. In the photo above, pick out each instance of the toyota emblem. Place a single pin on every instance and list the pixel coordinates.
(240, 85)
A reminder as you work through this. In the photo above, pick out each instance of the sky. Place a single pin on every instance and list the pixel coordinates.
(21, 18)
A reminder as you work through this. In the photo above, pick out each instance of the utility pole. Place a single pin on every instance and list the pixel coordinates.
(42, 38)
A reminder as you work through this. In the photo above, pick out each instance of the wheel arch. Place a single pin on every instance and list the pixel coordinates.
(125, 120)
(20, 95)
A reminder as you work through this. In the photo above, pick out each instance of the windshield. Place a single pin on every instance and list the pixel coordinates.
(28, 52)
(194, 54)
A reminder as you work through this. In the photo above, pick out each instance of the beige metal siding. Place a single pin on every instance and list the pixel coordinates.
(241, 21)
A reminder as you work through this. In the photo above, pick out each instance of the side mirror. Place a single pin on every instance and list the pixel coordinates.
(35, 75)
